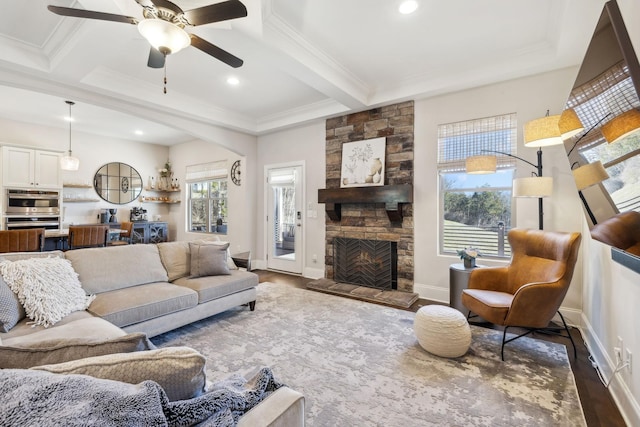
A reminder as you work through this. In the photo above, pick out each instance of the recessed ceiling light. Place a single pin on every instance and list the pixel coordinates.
(233, 81)
(138, 132)
(407, 7)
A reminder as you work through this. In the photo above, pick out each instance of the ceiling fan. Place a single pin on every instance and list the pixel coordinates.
(163, 26)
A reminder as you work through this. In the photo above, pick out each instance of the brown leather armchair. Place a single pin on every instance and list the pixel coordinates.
(621, 231)
(528, 292)
(28, 240)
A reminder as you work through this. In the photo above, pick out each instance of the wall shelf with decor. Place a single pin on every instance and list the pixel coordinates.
(80, 197)
(157, 190)
(160, 198)
(80, 200)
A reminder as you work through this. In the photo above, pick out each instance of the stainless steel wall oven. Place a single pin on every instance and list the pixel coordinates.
(26, 208)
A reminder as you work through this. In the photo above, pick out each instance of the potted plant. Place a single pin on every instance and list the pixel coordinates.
(468, 256)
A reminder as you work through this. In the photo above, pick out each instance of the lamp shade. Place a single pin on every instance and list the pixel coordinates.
(533, 187)
(69, 163)
(569, 124)
(163, 35)
(621, 126)
(590, 174)
(542, 132)
(481, 164)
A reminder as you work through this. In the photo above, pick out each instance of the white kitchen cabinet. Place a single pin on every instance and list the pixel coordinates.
(28, 168)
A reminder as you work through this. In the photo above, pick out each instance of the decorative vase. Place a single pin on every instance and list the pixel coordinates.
(376, 166)
(376, 178)
(469, 262)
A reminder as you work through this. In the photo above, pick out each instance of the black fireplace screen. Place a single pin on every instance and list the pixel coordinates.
(372, 263)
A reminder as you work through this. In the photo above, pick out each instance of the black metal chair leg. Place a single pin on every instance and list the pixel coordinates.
(566, 328)
(504, 338)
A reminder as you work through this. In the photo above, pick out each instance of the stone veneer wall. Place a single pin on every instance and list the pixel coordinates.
(370, 221)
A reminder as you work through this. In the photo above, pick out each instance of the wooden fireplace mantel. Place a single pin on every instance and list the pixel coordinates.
(393, 196)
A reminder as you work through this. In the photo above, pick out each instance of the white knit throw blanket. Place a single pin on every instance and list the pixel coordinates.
(48, 288)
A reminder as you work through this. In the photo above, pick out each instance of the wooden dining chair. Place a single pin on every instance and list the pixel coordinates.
(125, 236)
(88, 236)
(28, 240)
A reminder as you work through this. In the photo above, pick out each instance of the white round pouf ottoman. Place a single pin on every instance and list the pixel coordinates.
(442, 330)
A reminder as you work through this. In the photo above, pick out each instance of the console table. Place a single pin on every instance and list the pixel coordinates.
(149, 232)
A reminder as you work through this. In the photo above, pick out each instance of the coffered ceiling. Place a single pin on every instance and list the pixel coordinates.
(303, 60)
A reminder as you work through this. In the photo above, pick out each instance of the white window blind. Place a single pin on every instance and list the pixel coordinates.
(459, 140)
(206, 171)
(603, 98)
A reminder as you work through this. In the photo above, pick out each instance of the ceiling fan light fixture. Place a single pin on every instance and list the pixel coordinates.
(164, 36)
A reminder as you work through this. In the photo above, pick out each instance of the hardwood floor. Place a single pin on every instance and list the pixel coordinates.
(598, 406)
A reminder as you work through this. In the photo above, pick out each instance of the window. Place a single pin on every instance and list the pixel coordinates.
(598, 101)
(208, 194)
(475, 210)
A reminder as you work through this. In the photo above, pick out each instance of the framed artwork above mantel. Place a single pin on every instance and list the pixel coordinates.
(363, 163)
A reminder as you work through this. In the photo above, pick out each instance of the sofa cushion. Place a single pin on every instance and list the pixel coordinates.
(208, 259)
(216, 241)
(18, 256)
(135, 304)
(175, 257)
(212, 287)
(11, 311)
(116, 267)
(58, 351)
(180, 371)
(25, 327)
(48, 288)
(79, 324)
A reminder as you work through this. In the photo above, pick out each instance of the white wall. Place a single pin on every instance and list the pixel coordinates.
(305, 143)
(242, 200)
(93, 152)
(525, 97)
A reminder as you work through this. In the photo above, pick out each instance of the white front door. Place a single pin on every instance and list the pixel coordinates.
(284, 218)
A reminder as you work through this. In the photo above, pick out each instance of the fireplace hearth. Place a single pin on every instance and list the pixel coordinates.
(371, 263)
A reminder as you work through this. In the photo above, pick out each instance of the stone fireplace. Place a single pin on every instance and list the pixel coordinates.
(382, 213)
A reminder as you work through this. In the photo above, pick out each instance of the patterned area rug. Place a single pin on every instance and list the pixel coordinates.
(359, 364)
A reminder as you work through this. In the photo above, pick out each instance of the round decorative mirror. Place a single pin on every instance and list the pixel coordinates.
(117, 183)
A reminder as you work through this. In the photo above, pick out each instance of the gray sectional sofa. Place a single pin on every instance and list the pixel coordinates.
(151, 289)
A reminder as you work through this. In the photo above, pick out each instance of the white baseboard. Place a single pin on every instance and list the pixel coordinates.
(572, 316)
(627, 404)
(313, 273)
(432, 293)
(258, 264)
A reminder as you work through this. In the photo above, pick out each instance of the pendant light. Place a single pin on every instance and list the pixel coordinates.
(68, 162)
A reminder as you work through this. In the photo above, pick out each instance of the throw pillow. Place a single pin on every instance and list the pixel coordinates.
(48, 288)
(208, 260)
(232, 265)
(180, 371)
(175, 258)
(59, 351)
(11, 311)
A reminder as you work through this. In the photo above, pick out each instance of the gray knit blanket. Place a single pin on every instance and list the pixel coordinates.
(37, 398)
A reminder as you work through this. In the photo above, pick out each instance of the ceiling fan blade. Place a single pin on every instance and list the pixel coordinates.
(215, 51)
(230, 9)
(81, 13)
(156, 58)
(145, 3)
